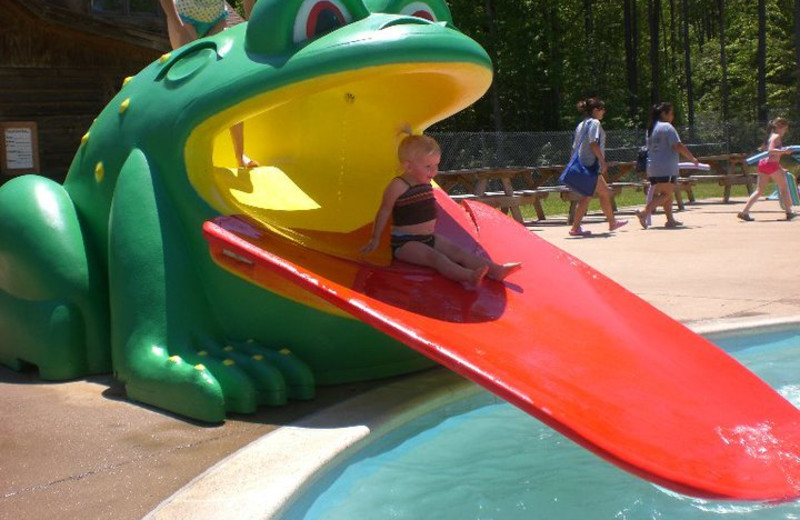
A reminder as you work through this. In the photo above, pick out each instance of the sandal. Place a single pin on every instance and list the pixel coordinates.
(617, 224)
(642, 219)
(579, 232)
(745, 216)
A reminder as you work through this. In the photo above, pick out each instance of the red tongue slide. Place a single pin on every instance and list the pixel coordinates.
(563, 343)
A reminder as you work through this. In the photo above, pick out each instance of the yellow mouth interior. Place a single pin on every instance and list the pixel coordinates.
(326, 147)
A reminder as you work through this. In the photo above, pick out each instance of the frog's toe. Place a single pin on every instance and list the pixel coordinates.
(268, 385)
(300, 383)
(173, 384)
(240, 394)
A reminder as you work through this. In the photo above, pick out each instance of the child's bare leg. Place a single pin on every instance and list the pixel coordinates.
(237, 136)
(421, 254)
(472, 261)
(760, 187)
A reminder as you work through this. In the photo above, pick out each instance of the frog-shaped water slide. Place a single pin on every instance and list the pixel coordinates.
(208, 289)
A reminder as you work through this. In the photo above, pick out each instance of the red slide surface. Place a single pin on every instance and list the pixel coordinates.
(565, 344)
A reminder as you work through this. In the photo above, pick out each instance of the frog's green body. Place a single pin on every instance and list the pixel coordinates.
(111, 272)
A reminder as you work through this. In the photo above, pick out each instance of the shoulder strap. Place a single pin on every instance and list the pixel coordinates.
(584, 133)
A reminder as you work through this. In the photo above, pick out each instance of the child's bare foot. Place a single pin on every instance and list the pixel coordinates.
(246, 162)
(500, 272)
(476, 278)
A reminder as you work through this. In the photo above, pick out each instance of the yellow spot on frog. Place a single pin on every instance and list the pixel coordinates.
(202, 353)
(85, 138)
(164, 57)
(99, 172)
(175, 359)
(258, 357)
(228, 362)
(124, 105)
(285, 351)
(127, 80)
(229, 348)
(200, 367)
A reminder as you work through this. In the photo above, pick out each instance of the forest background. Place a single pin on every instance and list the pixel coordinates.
(717, 61)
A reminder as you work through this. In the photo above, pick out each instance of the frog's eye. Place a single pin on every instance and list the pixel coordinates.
(420, 10)
(318, 17)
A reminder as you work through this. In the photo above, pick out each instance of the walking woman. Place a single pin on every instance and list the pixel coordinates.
(591, 138)
(664, 148)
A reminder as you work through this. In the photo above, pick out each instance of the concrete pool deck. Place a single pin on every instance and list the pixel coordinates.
(78, 450)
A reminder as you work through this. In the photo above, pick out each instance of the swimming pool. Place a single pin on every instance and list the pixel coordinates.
(480, 458)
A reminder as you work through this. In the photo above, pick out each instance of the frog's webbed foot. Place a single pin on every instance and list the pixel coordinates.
(207, 381)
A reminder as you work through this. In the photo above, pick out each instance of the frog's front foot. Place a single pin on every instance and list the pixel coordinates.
(211, 379)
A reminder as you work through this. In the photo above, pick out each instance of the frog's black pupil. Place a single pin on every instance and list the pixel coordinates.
(327, 21)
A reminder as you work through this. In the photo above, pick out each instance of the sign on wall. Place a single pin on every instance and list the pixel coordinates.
(19, 148)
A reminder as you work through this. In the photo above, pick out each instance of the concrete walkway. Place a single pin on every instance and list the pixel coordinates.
(79, 450)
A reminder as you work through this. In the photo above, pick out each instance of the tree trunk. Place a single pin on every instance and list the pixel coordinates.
(653, 15)
(723, 62)
(761, 58)
(494, 90)
(631, 59)
(588, 27)
(555, 78)
(687, 61)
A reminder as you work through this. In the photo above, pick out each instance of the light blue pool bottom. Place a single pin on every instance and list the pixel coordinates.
(494, 461)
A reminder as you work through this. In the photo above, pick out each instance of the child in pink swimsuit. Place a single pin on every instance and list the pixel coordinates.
(770, 168)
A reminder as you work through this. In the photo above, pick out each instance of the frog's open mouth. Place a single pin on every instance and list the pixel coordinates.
(327, 146)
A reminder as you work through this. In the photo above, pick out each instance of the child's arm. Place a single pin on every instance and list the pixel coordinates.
(390, 195)
(775, 151)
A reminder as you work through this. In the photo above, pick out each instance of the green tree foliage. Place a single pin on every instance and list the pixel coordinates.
(550, 54)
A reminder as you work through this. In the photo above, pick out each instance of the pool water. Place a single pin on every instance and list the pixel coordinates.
(483, 459)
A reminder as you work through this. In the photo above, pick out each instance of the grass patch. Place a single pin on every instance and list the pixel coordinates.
(554, 206)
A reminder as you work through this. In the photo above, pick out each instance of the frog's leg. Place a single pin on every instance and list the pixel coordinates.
(165, 339)
(53, 297)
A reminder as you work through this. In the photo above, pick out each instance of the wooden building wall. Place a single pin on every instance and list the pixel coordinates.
(60, 74)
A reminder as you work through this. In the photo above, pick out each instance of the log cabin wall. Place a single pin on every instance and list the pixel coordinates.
(60, 65)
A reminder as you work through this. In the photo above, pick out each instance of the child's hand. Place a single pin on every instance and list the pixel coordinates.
(370, 247)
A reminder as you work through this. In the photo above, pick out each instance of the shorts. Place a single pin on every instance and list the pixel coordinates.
(671, 179)
(400, 240)
(202, 28)
(768, 167)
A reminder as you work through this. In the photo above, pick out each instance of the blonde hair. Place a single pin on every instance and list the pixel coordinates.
(414, 146)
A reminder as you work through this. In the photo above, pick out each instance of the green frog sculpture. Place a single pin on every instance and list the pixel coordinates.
(110, 271)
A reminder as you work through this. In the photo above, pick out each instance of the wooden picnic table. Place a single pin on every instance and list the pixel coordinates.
(536, 182)
(729, 170)
(475, 184)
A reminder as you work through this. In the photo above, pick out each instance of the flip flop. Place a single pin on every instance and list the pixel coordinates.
(579, 232)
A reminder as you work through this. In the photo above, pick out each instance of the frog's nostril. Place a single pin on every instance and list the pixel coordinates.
(406, 20)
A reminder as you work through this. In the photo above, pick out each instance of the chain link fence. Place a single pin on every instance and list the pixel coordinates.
(471, 150)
